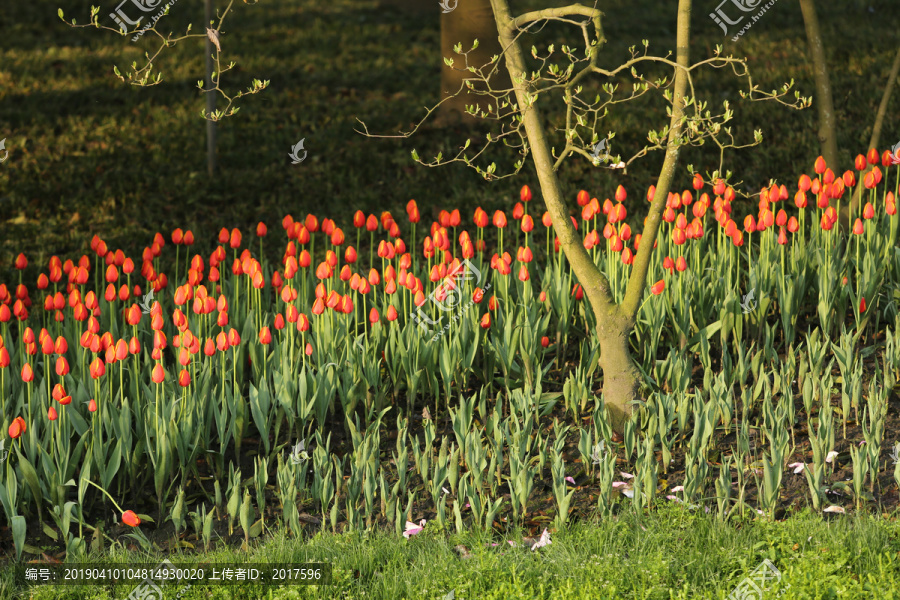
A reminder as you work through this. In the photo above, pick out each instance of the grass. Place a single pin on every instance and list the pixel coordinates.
(669, 553)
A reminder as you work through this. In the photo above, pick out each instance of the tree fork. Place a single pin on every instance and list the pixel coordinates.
(621, 378)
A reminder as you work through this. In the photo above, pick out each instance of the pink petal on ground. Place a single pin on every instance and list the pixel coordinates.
(835, 509)
(678, 488)
(571, 480)
(797, 467)
(618, 484)
(830, 456)
(626, 475)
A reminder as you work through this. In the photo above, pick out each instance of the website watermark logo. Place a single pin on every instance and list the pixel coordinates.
(298, 453)
(5, 151)
(724, 20)
(895, 153)
(604, 146)
(448, 297)
(125, 22)
(148, 589)
(747, 303)
(445, 5)
(295, 150)
(147, 302)
(758, 582)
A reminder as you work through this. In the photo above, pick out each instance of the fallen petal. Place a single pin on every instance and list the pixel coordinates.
(835, 509)
(571, 480)
(678, 488)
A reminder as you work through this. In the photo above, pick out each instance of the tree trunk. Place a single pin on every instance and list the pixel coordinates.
(621, 378)
(824, 101)
(464, 25)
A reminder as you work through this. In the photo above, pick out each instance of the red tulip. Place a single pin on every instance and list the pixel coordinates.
(130, 518)
(868, 211)
(486, 320)
(309, 349)
(697, 183)
(17, 427)
(873, 156)
(525, 193)
(92, 405)
(527, 223)
(21, 261)
(858, 227)
(184, 378)
(27, 373)
(545, 341)
(359, 219)
(51, 414)
(158, 374)
(657, 288)
(4, 358)
(235, 239)
(265, 337)
(620, 194)
(862, 305)
(820, 165)
(97, 368)
(499, 219)
(523, 273)
(373, 316)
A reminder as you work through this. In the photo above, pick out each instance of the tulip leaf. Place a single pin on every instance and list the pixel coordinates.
(18, 528)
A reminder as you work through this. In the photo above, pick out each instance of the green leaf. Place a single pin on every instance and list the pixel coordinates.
(18, 522)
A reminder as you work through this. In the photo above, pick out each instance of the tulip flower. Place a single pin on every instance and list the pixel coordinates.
(130, 518)
(158, 374)
(525, 193)
(657, 288)
(265, 337)
(184, 378)
(21, 262)
(862, 305)
(92, 405)
(486, 320)
(858, 227)
(27, 373)
(545, 341)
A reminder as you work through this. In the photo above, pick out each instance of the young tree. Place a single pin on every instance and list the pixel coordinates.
(143, 77)
(520, 109)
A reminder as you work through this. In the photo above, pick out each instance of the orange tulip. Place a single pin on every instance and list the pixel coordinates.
(657, 288)
(27, 373)
(525, 193)
(92, 405)
(265, 336)
(158, 374)
(545, 341)
(499, 219)
(184, 378)
(486, 320)
(51, 414)
(130, 518)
